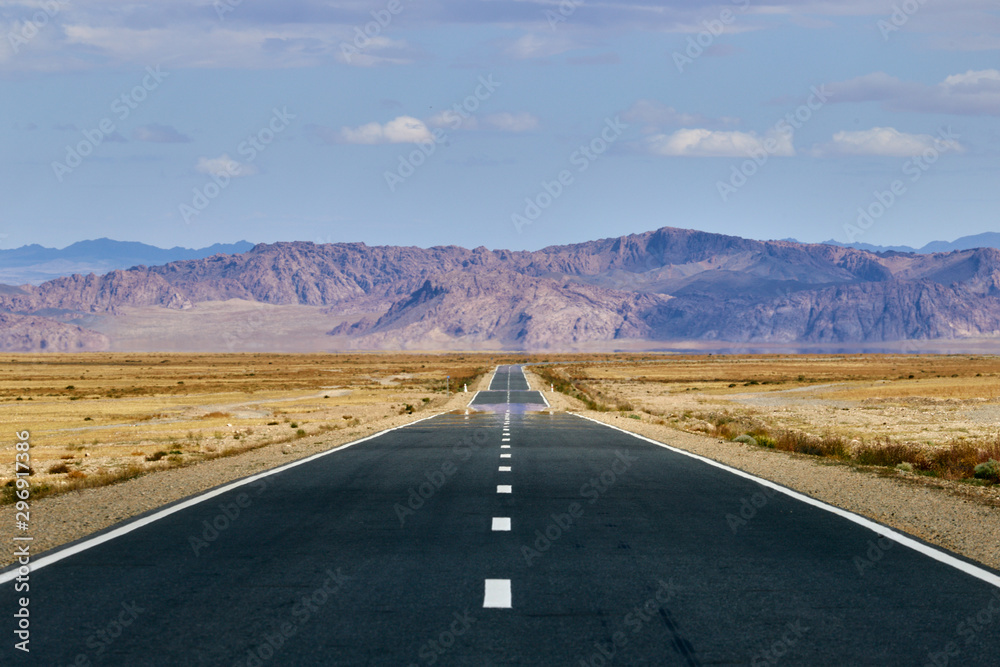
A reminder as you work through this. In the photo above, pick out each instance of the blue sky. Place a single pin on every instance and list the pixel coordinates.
(508, 124)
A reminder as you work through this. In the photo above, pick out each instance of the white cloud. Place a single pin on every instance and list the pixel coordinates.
(884, 141)
(533, 45)
(972, 93)
(401, 130)
(505, 121)
(702, 142)
(223, 166)
(88, 34)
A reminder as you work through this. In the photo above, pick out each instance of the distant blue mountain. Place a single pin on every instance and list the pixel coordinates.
(36, 264)
(984, 240)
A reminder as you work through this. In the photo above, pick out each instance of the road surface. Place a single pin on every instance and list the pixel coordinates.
(503, 537)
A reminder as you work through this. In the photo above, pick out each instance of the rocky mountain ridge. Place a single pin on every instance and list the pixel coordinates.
(664, 285)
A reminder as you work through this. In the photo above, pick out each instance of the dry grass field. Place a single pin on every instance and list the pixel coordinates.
(939, 415)
(100, 418)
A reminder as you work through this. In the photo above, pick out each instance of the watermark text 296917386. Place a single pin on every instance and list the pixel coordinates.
(22, 540)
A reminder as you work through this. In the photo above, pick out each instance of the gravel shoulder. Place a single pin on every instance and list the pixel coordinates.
(962, 519)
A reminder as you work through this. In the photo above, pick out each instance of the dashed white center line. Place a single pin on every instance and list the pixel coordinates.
(501, 523)
(497, 594)
(505, 456)
(504, 468)
(505, 488)
(504, 439)
(504, 446)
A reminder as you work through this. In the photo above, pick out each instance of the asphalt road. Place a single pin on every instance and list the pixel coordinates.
(394, 551)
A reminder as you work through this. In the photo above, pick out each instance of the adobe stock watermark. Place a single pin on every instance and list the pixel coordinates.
(560, 524)
(229, 512)
(102, 639)
(713, 29)
(780, 647)
(777, 141)
(434, 649)
(913, 170)
(121, 108)
(250, 149)
(637, 619)
(749, 507)
(454, 118)
(301, 612)
(245, 336)
(901, 15)
(26, 30)
(581, 158)
(563, 12)
(874, 554)
(366, 34)
(223, 7)
(436, 478)
(969, 628)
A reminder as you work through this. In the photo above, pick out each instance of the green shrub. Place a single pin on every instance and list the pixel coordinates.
(746, 439)
(989, 470)
(765, 441)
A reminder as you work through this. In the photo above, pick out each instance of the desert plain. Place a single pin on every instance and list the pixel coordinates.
(114, 435)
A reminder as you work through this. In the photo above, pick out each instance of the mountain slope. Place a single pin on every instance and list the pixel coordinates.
(667, 284)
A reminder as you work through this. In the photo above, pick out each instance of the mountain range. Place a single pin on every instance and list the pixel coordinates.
(984, 240)
(652, 288)
(35, 263)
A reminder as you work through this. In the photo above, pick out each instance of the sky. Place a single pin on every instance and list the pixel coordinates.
(503, 123)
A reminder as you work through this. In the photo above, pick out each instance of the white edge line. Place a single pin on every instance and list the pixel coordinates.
(883, 531)
(542, 394)
(472, 400)
(145, 521)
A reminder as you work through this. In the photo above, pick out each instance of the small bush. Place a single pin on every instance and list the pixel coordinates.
(76, 474)
(300, 433)
(988, 471)
(59, 469)
(888, 454)
(746, 439)
(904, 466)
(294, 425)
(765, 441)
(156, 456)
(272, 423)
